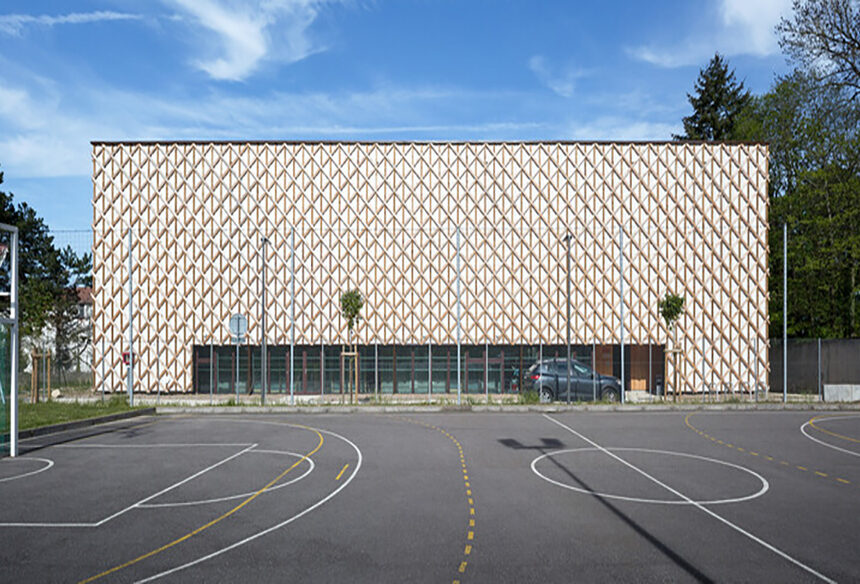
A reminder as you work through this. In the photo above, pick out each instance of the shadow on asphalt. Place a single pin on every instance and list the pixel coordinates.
(549, 444)
(127, 429)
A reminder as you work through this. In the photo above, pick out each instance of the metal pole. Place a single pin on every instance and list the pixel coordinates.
(819, 368)
(703, 368)
(103, 366)
(756, 367)
(292, 313)
(429, 371)
(263, 241)
(157, 368)
(211, 370)
(784, 312)
(594, 369)
(567, 238)
(487, 371)
(459, 389)
(621, 273)
(130, 325)
(13, 315)
(376, 371)
(236, 384)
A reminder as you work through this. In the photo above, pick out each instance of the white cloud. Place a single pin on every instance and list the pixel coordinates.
(619, 129)
(560, 81)
(744, 27)
(14, 24)
(249, 33)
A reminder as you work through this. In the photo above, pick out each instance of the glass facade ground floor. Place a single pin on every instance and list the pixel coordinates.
(409, 369)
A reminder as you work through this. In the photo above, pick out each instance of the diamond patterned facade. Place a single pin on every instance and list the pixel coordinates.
(389, 218)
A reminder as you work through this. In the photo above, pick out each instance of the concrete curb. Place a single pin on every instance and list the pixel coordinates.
(55, 428)
(508, 409)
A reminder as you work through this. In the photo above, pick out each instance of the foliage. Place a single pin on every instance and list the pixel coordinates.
(528, 397)
(717, 102)
(671, 308)
(48, 280)
(823, 36)
(350, 306)
(813, 131)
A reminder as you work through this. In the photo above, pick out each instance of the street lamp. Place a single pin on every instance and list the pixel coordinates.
(567, 239)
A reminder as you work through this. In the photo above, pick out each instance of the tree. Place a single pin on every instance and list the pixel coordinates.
(72, 332)
(824, 37)
(813, 131)
(717, 102)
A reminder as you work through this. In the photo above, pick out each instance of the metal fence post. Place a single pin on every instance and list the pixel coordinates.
(292, 313)
(130, 323)
(819, 370)
(621, 297)
(459, 371)
(263, 380)
(784, 312)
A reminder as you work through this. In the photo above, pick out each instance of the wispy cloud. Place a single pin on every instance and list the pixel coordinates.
(14, 24)
(560, 80)
(250, 33)
(620, 128)
(743, 27)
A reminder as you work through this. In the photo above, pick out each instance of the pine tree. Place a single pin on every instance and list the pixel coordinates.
(718, 100)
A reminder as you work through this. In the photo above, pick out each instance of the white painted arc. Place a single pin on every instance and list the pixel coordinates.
(49, 464)
(764, 488)
(823, 443)
(274, 527)
(699, 506)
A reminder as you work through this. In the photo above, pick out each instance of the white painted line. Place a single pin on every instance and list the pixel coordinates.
(764, 484)
(17, 459)
(130, 507)
(175, 485)
(174, 445)
(699, 506)
(274, 527)
(823, 443)
(311, 467)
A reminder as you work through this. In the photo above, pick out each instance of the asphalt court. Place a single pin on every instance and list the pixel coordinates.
(439, 497)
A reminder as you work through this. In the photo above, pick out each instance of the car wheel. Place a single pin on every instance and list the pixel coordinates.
(610, 394)
(545, 395)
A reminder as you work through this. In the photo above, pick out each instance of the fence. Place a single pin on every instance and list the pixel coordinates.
(814, 363)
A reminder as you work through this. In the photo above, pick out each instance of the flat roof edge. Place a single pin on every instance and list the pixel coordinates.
(440, 142)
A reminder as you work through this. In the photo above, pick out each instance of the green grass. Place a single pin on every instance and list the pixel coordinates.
(54, 412)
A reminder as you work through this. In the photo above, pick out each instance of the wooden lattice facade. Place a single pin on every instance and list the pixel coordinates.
(389, 219)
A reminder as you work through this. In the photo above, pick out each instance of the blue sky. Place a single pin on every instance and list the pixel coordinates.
(72, 72)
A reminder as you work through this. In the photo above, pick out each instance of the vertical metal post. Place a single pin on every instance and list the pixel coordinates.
(211, 371)
(819, 369)
(459, 370)
(567, 238)
(322, 369)
(130, 324)
(263, 380)
(103, 366)
(157, 368)
(650, 366)
(594, 368)
(621, 273)
(236, 384)
(756, 367)
(292, 314)
(784, 312)
(376, 370)
(13, 366)
(487, 371)
(429, 372)
(703, 368)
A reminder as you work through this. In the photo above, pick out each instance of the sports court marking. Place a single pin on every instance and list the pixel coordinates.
(470, 531)
(135, 505)
(699, 506)
(811, 423)
(274, 527)
(48, 464)
(821, 474)
(764, 484)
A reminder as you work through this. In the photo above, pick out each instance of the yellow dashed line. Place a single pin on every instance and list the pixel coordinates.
(471, 536)
(769, 458)
(472, 521)
(340, 474)
(468, 550)
(463, 567)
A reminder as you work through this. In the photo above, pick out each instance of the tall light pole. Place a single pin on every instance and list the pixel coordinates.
(567, 239)
(263, 241)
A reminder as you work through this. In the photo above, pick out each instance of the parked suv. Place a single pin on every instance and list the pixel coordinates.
(549, 379)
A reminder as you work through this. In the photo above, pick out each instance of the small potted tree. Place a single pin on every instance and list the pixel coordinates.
(351, 302)
(671, 308)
